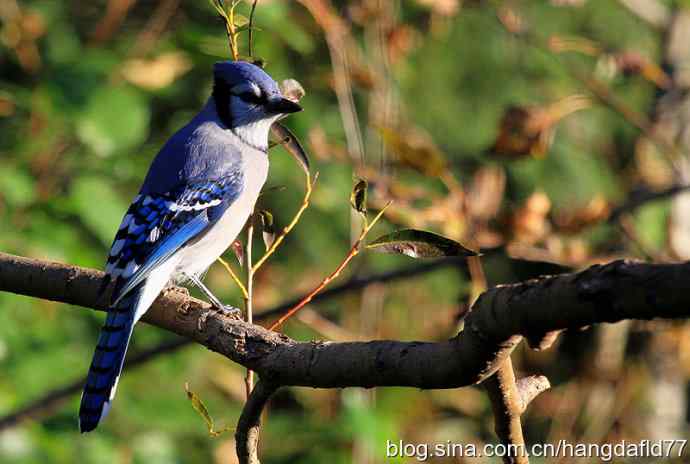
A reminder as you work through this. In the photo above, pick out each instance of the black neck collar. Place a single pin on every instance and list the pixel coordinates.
(221, 97)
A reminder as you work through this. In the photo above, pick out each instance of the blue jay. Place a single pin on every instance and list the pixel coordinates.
(197, 196)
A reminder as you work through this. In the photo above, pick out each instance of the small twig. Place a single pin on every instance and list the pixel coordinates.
(248, 302)
(235, 278)
(354, 251)
(249, 424)
(229, 20)
(638, 199)
(251, 28)
(279, 239)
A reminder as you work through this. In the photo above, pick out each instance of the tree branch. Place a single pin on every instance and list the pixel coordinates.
(55, 397)
(499, 319)
(249, 424)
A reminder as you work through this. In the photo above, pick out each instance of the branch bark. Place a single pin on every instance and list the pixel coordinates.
(499, 319)
(48, 402)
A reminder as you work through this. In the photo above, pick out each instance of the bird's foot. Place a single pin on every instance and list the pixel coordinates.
(229, 311)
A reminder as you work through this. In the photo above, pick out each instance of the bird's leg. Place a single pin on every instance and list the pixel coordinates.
(226, 310)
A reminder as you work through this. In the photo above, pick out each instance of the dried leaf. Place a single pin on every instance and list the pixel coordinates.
(530, 222)
(268, 230)
(292, 90)
(415, 149)
(358, 197)
(528, 130)
(419, 244)
(238, 249)
(199, 407)
(286, 138)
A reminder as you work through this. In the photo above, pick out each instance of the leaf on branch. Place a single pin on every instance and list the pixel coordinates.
(241, 22)
(419, 244)
(285, 137)
(358, 197)
(238, 249)
(199, 407)
(268, 230)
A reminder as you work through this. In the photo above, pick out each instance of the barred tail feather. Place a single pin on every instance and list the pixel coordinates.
(108, 358)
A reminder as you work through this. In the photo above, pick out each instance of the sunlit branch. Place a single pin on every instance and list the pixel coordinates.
(286, 230)
(235, 278)
(354, 251)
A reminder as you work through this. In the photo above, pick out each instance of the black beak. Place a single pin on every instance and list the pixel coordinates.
(283, 106)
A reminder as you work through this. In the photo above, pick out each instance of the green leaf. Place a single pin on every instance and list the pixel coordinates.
(358, 197)
(268, 232)
(286, 138)
(419, 244)
(115, 119)
(241, 21)
(199, 407)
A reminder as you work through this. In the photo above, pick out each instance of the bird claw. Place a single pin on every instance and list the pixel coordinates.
(229, 311)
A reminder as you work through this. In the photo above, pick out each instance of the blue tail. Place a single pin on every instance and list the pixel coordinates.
(107, 362)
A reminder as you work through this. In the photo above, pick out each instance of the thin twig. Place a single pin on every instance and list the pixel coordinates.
(248, 302)
(249, 424)
(638, 199)
(354, 251)
(235, 278)
(251, 28)
(279, 239)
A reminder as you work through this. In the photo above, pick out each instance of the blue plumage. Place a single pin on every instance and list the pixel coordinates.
(197, 195)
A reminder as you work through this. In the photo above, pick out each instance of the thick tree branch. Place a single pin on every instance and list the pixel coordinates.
(499, 319)
(54, 398)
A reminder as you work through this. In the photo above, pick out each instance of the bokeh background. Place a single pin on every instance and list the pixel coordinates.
(552, 134)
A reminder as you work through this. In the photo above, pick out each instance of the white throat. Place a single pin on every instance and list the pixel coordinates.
(255, 134)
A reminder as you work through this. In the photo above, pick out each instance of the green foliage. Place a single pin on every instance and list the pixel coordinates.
(77, 133)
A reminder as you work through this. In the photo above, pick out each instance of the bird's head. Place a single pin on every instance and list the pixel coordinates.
(248, 101)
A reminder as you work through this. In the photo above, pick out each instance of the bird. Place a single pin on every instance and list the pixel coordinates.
(199, 192)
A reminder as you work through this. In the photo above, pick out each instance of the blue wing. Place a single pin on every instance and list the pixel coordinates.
(157, 225)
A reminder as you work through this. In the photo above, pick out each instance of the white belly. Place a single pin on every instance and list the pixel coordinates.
(197, 257)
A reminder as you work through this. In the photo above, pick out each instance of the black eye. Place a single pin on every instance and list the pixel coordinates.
(251, 97)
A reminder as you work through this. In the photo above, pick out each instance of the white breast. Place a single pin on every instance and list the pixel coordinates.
(197, 257)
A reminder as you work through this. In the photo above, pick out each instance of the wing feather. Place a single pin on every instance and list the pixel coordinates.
(156, 226)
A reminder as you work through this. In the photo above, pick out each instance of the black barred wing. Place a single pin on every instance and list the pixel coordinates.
(156, 225)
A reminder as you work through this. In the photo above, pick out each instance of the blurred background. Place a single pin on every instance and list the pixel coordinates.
(552, 134)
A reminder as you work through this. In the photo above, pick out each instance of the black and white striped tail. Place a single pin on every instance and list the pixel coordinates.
(107, 362)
